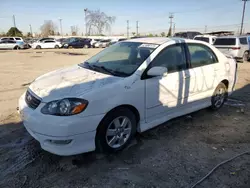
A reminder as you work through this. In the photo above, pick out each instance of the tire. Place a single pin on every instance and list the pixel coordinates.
(219, 96)
(57, 47)
(17, 48)
(245, 57)
(70, 47)
(38, 47)
(119, 137)
(85, 46)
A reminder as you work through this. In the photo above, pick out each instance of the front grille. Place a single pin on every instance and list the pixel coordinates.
(31, 100)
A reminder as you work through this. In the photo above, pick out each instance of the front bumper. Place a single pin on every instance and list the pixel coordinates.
(79, 130)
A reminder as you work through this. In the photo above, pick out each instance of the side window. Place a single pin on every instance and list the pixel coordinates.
(49, 41)
(172, 57)
(201, 55)
(243, 40)
(18, 38)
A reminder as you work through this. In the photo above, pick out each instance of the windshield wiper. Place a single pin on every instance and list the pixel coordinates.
(109, 71)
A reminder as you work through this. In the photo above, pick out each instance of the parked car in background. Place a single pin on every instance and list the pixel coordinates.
(102, 43)
(11, 44)
(237, 46)
(187, 34)
(18, 39)
(129, 87)
(46, 43)
(77, 43)
(206, 38)
(93, 41)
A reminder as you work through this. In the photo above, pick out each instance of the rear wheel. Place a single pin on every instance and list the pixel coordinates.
(116, 130)
(56, 46)
(245, 56)
(85, 46)
(17, 48)
(38, 47)
(70, 47)
(219, 97)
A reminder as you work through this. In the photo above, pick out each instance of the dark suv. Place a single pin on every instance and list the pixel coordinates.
(77, 43)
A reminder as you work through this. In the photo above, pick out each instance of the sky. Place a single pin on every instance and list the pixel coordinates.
(152, 15)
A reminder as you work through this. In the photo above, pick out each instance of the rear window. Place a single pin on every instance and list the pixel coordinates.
(205, 39)
(225, 41)
(18, 38)
(243, 40)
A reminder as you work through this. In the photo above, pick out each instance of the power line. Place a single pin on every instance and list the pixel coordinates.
(243, 15)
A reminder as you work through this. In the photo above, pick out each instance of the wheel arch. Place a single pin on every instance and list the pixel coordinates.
(226, 82)
(130, 107)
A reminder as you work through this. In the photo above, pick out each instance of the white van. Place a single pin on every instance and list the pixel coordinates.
(206, 38)
(237, 46)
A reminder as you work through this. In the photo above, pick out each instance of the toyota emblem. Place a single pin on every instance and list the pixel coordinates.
(29, 98)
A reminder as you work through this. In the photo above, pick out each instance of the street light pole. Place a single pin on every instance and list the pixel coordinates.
(60, 20)
(243, 15)
(85, 11)
(31, 31)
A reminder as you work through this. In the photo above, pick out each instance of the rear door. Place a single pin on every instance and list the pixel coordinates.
(49, 44)
(203, 71)
(244, 45)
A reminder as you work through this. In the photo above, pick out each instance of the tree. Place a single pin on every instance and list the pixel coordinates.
(2, 34)
(150, 35)
(133, 33)
(13, 31)
(156, 35)
(48, 28)
(29, 34)
(163, 34)
(98, 21)
(74, 30)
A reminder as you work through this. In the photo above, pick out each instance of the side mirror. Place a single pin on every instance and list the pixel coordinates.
(157, 71)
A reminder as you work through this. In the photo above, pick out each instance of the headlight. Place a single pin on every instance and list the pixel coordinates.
(65, 107)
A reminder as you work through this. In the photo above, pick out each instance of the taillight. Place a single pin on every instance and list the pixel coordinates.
(236, 48)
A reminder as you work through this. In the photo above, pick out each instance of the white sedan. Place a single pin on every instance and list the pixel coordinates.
(129, 87)
(46, 44)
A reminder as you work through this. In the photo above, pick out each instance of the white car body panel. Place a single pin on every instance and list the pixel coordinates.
(157, 100)
(46, 45)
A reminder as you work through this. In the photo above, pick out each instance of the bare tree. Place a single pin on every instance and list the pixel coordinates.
(48, 28)
(74, 30)
(98, 21)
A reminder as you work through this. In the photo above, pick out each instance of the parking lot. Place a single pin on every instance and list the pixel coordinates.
(175, 154)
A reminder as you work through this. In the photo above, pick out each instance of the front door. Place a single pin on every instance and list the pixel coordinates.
(49, 44)
(165, 94)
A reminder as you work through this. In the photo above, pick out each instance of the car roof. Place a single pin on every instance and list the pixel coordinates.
(232, 37)
(205, 36)
(161, 40)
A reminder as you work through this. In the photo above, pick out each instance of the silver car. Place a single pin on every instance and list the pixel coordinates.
(10, 44)
(236, 46)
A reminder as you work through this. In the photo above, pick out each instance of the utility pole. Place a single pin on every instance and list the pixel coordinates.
(60, 20)
(14, 23)
(171, 16)
(14, 20)
(86, 30)
(243, 15)
(205, 28)
(174, 29)
(127, 28)
(31, 31)
(137, 27)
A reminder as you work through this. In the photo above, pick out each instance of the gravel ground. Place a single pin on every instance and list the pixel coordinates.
(175, 154)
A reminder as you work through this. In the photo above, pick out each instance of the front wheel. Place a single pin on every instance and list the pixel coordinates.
(38, 47)
(219, 96)
(56, 46)
(116, 130)
(85, 46)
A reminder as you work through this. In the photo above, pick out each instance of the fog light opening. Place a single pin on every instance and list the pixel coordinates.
(59, 142)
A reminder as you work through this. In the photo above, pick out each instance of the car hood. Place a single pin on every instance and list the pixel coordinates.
(74, 81)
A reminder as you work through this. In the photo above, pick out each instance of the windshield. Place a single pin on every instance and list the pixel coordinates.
(225, 41)
(205, 39)
(121, 59)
